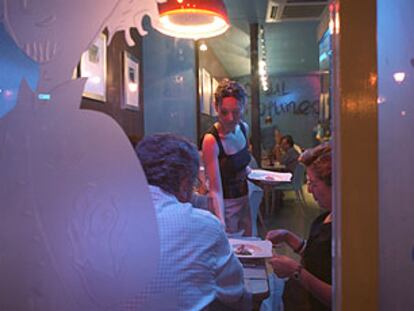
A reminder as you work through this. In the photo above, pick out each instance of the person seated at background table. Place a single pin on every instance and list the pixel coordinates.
(197, 266)
(286, 153)
(226, 158)
(267, 136)
(311, 278)
(253, 163)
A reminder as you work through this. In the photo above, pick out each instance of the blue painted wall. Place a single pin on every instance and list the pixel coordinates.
(14, 66)
(168, 73)
(169, 85)
(292, 47)
(292, 102)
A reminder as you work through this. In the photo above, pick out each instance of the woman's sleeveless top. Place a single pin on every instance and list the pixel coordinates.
(232, 167)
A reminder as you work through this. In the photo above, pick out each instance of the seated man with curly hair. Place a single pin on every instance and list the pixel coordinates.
(197, 268)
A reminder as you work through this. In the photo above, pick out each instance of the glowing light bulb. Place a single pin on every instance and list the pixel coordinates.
(217, 26)
(337, 24)
(133, 87)
(380, 100)
(399, 77)
(262, 71)
(203, 47)
(262, 63)
(179, 79)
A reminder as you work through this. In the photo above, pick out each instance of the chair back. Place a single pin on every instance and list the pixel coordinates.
(255, 197)
(298, 176)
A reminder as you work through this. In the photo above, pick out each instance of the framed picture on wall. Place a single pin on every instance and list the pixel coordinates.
(214, 86)
(130, 82)
(93, 67)
(206, 92)
(321, 107)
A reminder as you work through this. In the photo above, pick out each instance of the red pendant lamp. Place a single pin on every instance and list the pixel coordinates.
(193, 19)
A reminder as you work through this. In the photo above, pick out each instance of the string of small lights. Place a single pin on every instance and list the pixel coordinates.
(262, 61)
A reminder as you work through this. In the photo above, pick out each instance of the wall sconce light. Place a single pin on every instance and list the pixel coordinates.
(193, 19)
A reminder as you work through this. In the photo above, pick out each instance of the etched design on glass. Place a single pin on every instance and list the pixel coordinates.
(129, 13)
(96, 223)
(77, 227)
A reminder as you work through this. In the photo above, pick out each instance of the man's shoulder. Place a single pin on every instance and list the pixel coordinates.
(204, 217)
(204, 221)
(185, 214)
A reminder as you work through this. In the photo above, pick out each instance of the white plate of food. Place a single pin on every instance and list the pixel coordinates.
(251, 248)
(269, 176)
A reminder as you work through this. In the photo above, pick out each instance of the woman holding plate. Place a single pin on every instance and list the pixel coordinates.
(226, 157)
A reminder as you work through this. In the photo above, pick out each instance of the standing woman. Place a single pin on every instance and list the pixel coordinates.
(226, 157)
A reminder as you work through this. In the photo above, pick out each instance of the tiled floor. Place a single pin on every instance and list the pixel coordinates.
(290, 215)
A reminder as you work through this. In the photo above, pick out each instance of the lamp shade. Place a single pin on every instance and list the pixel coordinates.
(193, 19)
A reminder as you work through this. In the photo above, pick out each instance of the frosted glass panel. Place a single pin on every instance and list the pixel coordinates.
(77, 227)
(396, 151)
(169, 85)
(15, 66)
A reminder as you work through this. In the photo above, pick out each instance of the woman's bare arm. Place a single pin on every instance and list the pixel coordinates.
(319, 289)
(212, 168)
(284, 267)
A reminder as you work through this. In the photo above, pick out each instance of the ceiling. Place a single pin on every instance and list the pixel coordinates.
(233, 47)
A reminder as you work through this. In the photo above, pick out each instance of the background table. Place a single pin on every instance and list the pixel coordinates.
(268, 187)
(275, 167)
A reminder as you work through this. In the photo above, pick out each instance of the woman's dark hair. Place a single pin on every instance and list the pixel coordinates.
(319, 159)
(167, 160)
(288, 139)
(229, 88)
